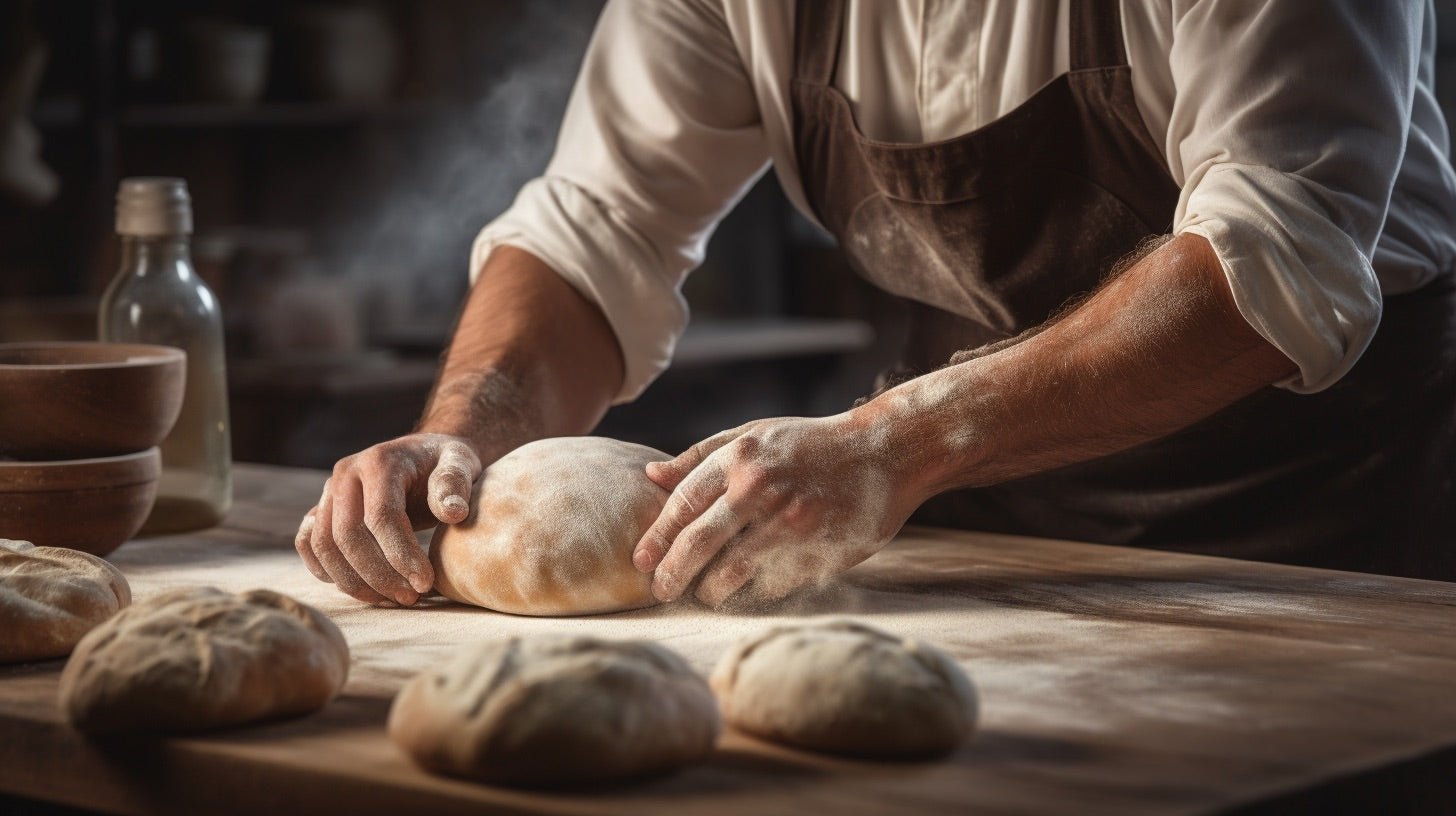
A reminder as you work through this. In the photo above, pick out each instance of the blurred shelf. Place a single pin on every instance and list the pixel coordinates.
(708, 341)
(57, 112)
(713, 342)
(275, 114)
(330, 375)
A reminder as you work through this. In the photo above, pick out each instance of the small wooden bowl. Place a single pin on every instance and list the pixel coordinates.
(91, 505)
(73, 400)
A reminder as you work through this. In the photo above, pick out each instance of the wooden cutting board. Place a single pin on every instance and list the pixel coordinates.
(1111, 680)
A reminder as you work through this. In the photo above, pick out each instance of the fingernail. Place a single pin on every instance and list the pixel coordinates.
(642, 561)
(420, 583)
(455, 504)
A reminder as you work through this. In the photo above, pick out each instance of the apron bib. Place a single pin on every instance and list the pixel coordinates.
(988, 234)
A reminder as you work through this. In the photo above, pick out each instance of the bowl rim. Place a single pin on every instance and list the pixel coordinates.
(145, 354)
(61, 474)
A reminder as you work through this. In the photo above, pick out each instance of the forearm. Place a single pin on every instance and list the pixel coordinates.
(530, 358)
(1156, 349)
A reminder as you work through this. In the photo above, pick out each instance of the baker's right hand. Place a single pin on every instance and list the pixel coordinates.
(360, 535)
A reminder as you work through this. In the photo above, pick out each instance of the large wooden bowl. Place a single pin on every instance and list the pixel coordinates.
(92, 505)
(75, 400)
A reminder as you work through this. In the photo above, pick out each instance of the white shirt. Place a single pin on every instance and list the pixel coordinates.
(1304, 135)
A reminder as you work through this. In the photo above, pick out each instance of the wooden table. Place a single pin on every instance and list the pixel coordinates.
(1111, 680)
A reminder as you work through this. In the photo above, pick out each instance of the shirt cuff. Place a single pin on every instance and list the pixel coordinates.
(1299, 279)
(592, 248)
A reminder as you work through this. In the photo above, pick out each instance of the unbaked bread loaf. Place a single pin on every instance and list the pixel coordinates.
(50, 597)
(551, 530)
(200, 658)
(556, 710)
(844, 688)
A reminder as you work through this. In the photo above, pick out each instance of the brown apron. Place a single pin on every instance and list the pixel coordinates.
(988, 234)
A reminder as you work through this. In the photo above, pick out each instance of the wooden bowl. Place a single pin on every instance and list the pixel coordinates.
(75, 400)
(91, 505)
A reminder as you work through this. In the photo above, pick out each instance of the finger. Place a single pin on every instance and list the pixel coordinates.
(301, 543)
(386, 519)
(334, 563)
(451, 482)
(668, 475)
(686, 503)
(696, 545)
(357, 544)
(725, 577)
(320, 536)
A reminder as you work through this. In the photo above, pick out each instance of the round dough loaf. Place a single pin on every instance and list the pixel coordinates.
(844, 688)
(199, 658)
(551, 530)
(556, 710)
(50, 597)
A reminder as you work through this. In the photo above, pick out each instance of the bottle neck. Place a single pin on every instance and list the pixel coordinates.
(156, 254)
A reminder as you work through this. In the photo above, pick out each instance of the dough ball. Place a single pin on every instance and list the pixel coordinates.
(844, 688)
(551, 530)
(556, 710)
(51, 596)
(200, 658)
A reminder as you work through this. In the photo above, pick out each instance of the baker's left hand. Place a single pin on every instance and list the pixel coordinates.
(774, 505)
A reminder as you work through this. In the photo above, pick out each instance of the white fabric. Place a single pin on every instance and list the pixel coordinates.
(1305, 136)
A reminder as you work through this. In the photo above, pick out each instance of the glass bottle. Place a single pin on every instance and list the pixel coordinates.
(157, 297)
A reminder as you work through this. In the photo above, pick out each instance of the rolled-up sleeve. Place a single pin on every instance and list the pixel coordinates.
(661, 137)
(1289, 123)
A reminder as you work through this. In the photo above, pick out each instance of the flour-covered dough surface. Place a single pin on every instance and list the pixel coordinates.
(50, 597)
(551, 530)
(199, 658)
(552, 710)
(846, 688)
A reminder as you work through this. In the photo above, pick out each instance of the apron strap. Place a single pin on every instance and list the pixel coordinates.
(818, 28)
(1094, 34)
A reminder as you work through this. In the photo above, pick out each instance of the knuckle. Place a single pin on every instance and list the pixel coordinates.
(345, 466)
(695, 540)
(377, 518)
(463, 452)
(446, 475)
(373, 459)
(397, 445)
(678, 511)
(737, 571)
(321, 537)
(657, 541)
(802, 515)
(349, 538)
(354, 586)
(756, 479)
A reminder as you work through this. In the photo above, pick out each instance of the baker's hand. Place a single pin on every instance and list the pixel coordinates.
(774, 505)
(360, 536)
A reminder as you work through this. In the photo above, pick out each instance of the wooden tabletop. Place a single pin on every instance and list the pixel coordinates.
(1111, 680)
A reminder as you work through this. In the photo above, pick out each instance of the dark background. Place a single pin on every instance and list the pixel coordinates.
(342, 157)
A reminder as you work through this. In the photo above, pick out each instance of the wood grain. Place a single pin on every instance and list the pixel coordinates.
(80, 400)
(1112, 681)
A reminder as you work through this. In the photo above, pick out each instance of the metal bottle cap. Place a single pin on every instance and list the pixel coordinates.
(153, 206)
